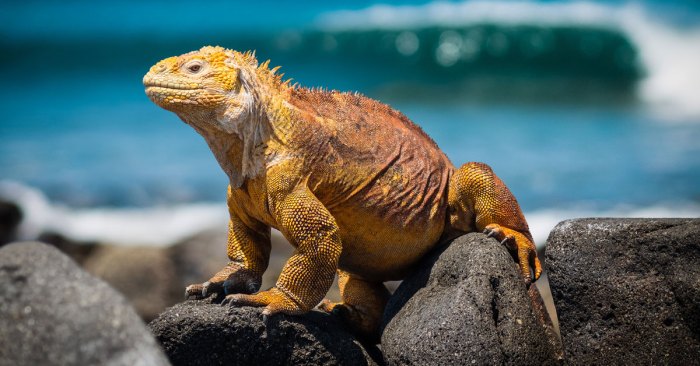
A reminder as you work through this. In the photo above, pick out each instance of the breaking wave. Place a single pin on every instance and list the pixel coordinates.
(625, 44)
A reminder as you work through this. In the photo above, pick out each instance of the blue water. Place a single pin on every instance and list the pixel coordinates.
(558, 112)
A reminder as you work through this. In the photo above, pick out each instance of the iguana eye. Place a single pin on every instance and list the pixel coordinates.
(194, 66)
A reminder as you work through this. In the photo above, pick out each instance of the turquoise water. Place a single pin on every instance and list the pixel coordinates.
(577, 106)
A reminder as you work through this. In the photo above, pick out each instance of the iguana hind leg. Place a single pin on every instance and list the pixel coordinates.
(362, 305)
(479, 201)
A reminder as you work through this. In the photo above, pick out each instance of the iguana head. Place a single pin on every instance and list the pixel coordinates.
(205, 87)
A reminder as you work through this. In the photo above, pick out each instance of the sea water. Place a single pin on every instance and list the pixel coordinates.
(582, 108)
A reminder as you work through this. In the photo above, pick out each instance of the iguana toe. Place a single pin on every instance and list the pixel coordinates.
(535, 263)
(522, 248)
(203, 290)
(274, 300)
(232, 279)
(360, 323)
(238, 285)
(194, 291)
(334, 308)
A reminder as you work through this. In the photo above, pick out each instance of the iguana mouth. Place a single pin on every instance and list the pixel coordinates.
(150, 83)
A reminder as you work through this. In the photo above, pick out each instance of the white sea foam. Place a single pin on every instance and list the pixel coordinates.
(442, 13)
(124, 226)
(159, 226)
(671, 57)
(668, 54)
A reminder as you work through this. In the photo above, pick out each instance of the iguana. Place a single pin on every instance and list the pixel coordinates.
(353, 184)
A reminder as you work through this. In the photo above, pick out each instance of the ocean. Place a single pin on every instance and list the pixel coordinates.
(582, 108)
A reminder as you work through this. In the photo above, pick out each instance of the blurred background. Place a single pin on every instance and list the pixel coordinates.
(582, 108)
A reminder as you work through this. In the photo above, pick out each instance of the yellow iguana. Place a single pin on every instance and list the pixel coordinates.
(354, 185)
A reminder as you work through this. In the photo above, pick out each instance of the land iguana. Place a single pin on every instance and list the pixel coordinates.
(354, 185)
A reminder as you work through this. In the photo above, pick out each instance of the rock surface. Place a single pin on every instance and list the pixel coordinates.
(199, 332)
(467, 304)
(54, 313)
(627, 290)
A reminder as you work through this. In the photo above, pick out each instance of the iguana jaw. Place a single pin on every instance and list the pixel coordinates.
(151, 82)
(169, 98)
(180, 95)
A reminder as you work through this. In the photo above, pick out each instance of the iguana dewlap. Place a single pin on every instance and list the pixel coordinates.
(354, 185)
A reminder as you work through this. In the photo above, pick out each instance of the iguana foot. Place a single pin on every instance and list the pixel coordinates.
(232, 279)
(335, 308)
(521, 247)
(350, 314)
(274, 300)
(361, 323)
(362, 306)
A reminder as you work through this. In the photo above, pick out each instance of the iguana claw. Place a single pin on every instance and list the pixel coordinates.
(230, 280)
(522, 247)
(205, 288)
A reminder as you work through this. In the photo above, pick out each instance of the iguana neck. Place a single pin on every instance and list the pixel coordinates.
(250, 132)
(228, 151)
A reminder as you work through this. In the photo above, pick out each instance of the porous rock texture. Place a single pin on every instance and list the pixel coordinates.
(202, 332)
(466, 304)
(627, 290)
(54, 313)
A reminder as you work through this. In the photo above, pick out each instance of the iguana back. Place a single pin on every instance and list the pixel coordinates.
(364, 152)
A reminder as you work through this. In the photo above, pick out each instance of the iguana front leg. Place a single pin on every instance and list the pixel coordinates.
(309, 273)
(249, 253)
(479, 201)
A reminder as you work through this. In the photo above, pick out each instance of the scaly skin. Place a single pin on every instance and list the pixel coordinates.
(354, 185)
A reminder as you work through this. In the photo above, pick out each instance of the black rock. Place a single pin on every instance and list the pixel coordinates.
(10, 218)
(54, 313)
(199, 332)
(627, 290)
(467, 304)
